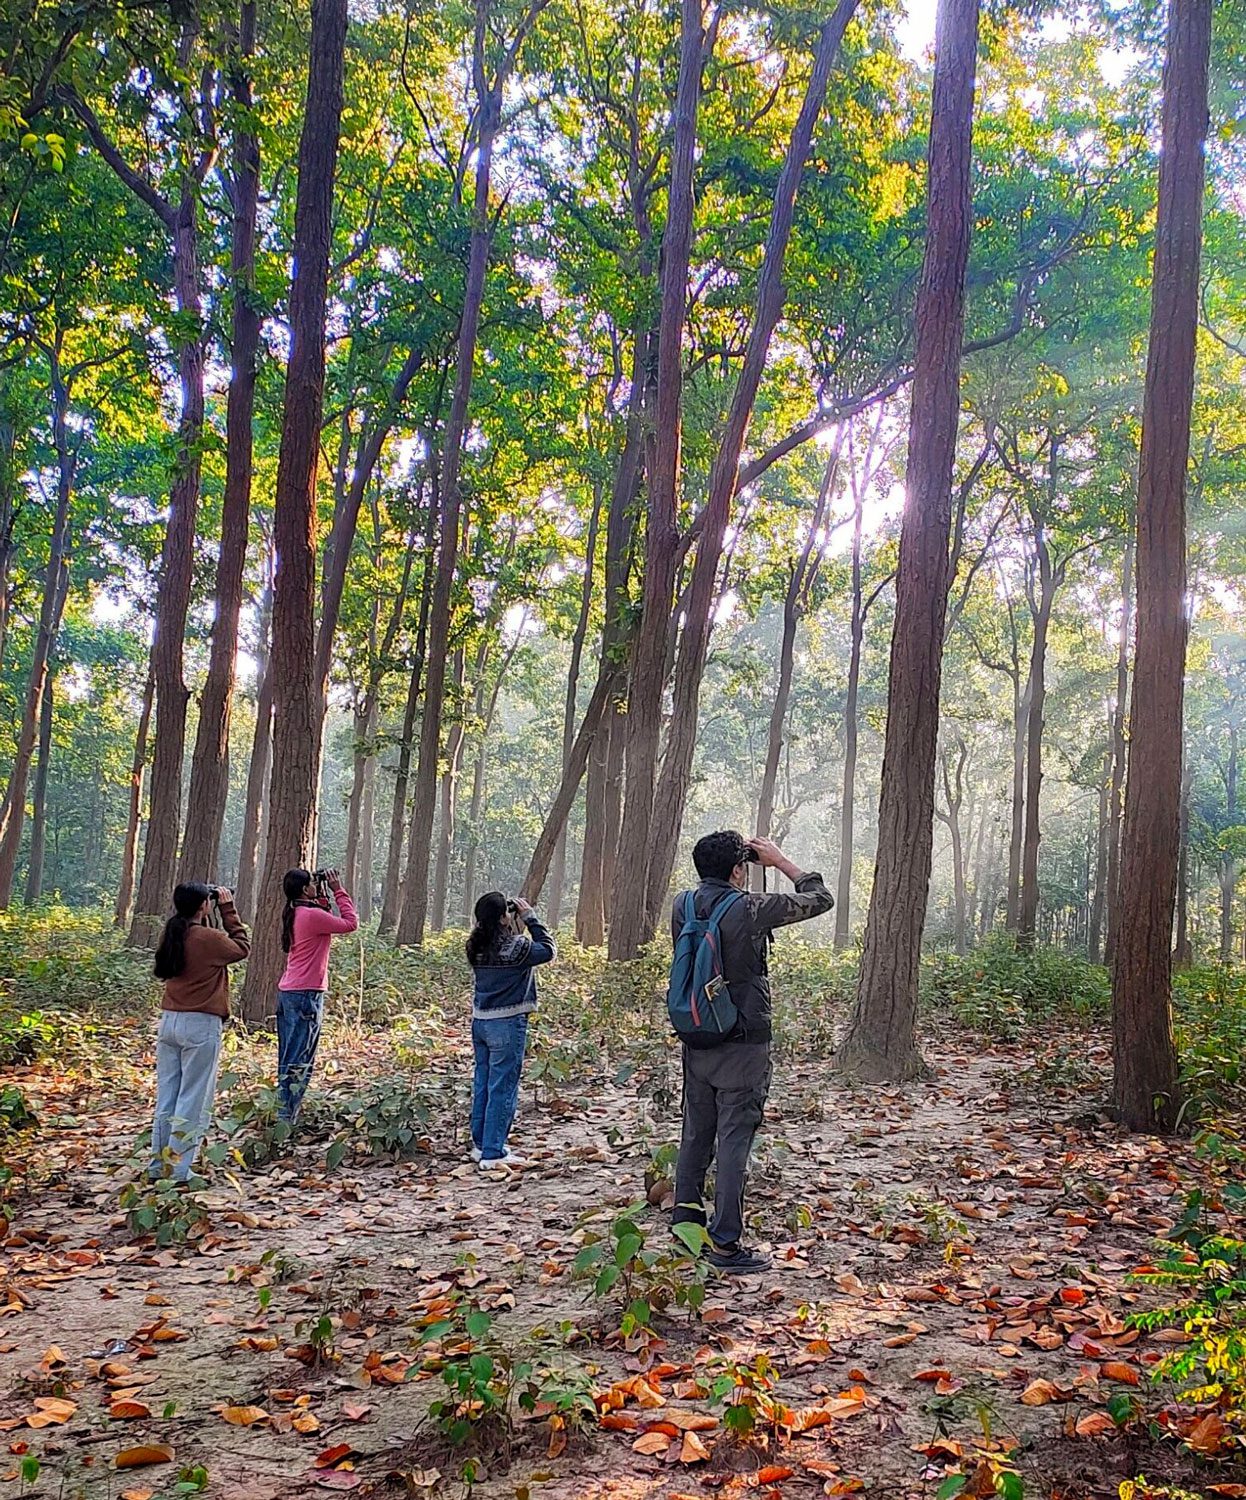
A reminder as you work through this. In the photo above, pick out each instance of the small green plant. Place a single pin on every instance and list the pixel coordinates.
(319, 1345)
(649, 1281)
(191, 1481)
(251, 1123)
(390, 1119)
(165, 1208)
(487, 1382)
(743, 1392)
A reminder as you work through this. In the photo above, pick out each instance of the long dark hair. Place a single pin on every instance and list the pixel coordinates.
(170, 960)
(294, 883)
(490, 910)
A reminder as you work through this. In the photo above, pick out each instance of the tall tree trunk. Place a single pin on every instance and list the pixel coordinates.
(629, 898)
(414, 912)
(1183, 949)
(209, 772)
(1120, 752)
(472, 852)
(1146, 1085)
(177, 565)
(367, 843)
(362, 740)
(134, 816)
(1228, 864)
(847, 813)
(954, 796)
(1027, 916)
(558, 870)
(672, 795)
(8, 513)
(449, 796)
(881, 1040)
(296, 701)
(39, 810)
(55, 591)
(398, 808)
(258, 767)
(1098, 905)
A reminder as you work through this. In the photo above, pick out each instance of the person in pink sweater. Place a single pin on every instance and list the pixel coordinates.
(308, 926)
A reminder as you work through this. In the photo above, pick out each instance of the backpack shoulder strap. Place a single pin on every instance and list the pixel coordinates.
(724, 904)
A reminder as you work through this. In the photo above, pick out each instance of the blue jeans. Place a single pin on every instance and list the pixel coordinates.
(499, 1049)
(300, 1014)
(188, 1052)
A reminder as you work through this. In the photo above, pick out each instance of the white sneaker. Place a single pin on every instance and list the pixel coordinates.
(497, 1166)
(509, 1161)
(513, 1159)
(474, 1153)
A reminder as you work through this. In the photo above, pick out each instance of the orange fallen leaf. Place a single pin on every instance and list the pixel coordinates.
(1072, 1296)
(1229, 1491)
(140, 1458)
(774, 1474)
(1210, 1435)
(1114, 1369)
(1040, 1392)
(931, 1376)
(168, 1335)
(334, 1455)
(137, 1494)
(689, 1421)
(1094, 1423)
(651, 1443)
(619, 1421)
(243, 1416)
(847, 1486)
(305, 1422)
(51, 1411)
(693, 1450)
(126, 1410)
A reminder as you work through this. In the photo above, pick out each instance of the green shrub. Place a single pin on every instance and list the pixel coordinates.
(1209, 1012)
(998, 987)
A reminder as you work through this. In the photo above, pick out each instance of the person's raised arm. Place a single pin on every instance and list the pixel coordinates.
(318, 922)
(781, 908)
(234, 944)
(543, 950)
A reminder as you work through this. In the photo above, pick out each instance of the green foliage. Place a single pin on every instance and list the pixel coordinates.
(744, 1392)
(998, 988)
(1209, 1016)
(167, 1210)
(488, 1383)
(623, 1265)
(389, 1118)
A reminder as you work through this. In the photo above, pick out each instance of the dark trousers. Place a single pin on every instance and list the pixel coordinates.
(300, 1014)
(725, 1092)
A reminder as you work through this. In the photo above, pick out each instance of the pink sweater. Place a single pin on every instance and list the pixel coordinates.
(307, 963)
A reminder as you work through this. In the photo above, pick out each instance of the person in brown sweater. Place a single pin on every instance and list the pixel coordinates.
(193, 959)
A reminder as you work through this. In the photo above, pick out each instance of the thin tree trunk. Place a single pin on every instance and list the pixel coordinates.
(881, 1040)
(672, 795)
(629, 898)
(258, 767)
(1146, 1086)
(1183, 950)
(209, 773)
(296, 701)
(134, 817)
(954, 793)
(55, 592)
(414, 912)
(847, 814)
(1120, 752)
(39, 810)
(1228, 865)
(362, 738)
(449, 797)
(8, 514)
(367, 843)
(1027, 917)
(1098, 905)
(558, 871)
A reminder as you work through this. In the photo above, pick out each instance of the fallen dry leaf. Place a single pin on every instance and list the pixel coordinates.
(129, 1410)
(1040, 1392)
(693, 1450)
(243, 1416)
(651, 1443)
(1114, 1369)
(141, 1457)
(1093, 1424)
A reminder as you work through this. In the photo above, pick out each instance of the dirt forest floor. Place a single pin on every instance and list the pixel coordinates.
(949, 1295)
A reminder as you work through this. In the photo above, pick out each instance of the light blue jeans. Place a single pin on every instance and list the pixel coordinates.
(188, 1052)
(498, 1047)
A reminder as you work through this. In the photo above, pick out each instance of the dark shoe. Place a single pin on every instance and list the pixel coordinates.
(739, 1262)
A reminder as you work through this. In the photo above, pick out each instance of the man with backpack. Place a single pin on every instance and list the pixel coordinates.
(719, 1004)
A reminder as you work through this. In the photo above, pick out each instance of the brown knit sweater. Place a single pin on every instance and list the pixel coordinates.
(203, 985)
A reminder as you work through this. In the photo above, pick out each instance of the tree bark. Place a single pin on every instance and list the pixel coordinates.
(449, 795)
(558, 871)
(852, 729)
(1120, 750)
(39, 810)
(1048, 578)
(1228, 864)
(954, 795)
(296, 701)
(672, 795)
(134, 817)
(1146, 1087)
(209, 772)
(1183, 949)
(1098, 905)
(258, 767)
(55, 592)
(629, 901)
(881, 1040)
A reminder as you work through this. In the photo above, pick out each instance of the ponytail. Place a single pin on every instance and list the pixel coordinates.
(294, 885)
(170, 959)
(490, 910)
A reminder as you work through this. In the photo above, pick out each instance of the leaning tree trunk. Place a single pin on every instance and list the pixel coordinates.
(39, 811)
(209, 772)
(296, 701)
(694, 640)
(134, 815)
(55, 592)
(628, 926)
(177, 567)
(1146, 1086)
(881, 1040)
(1120, 712)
